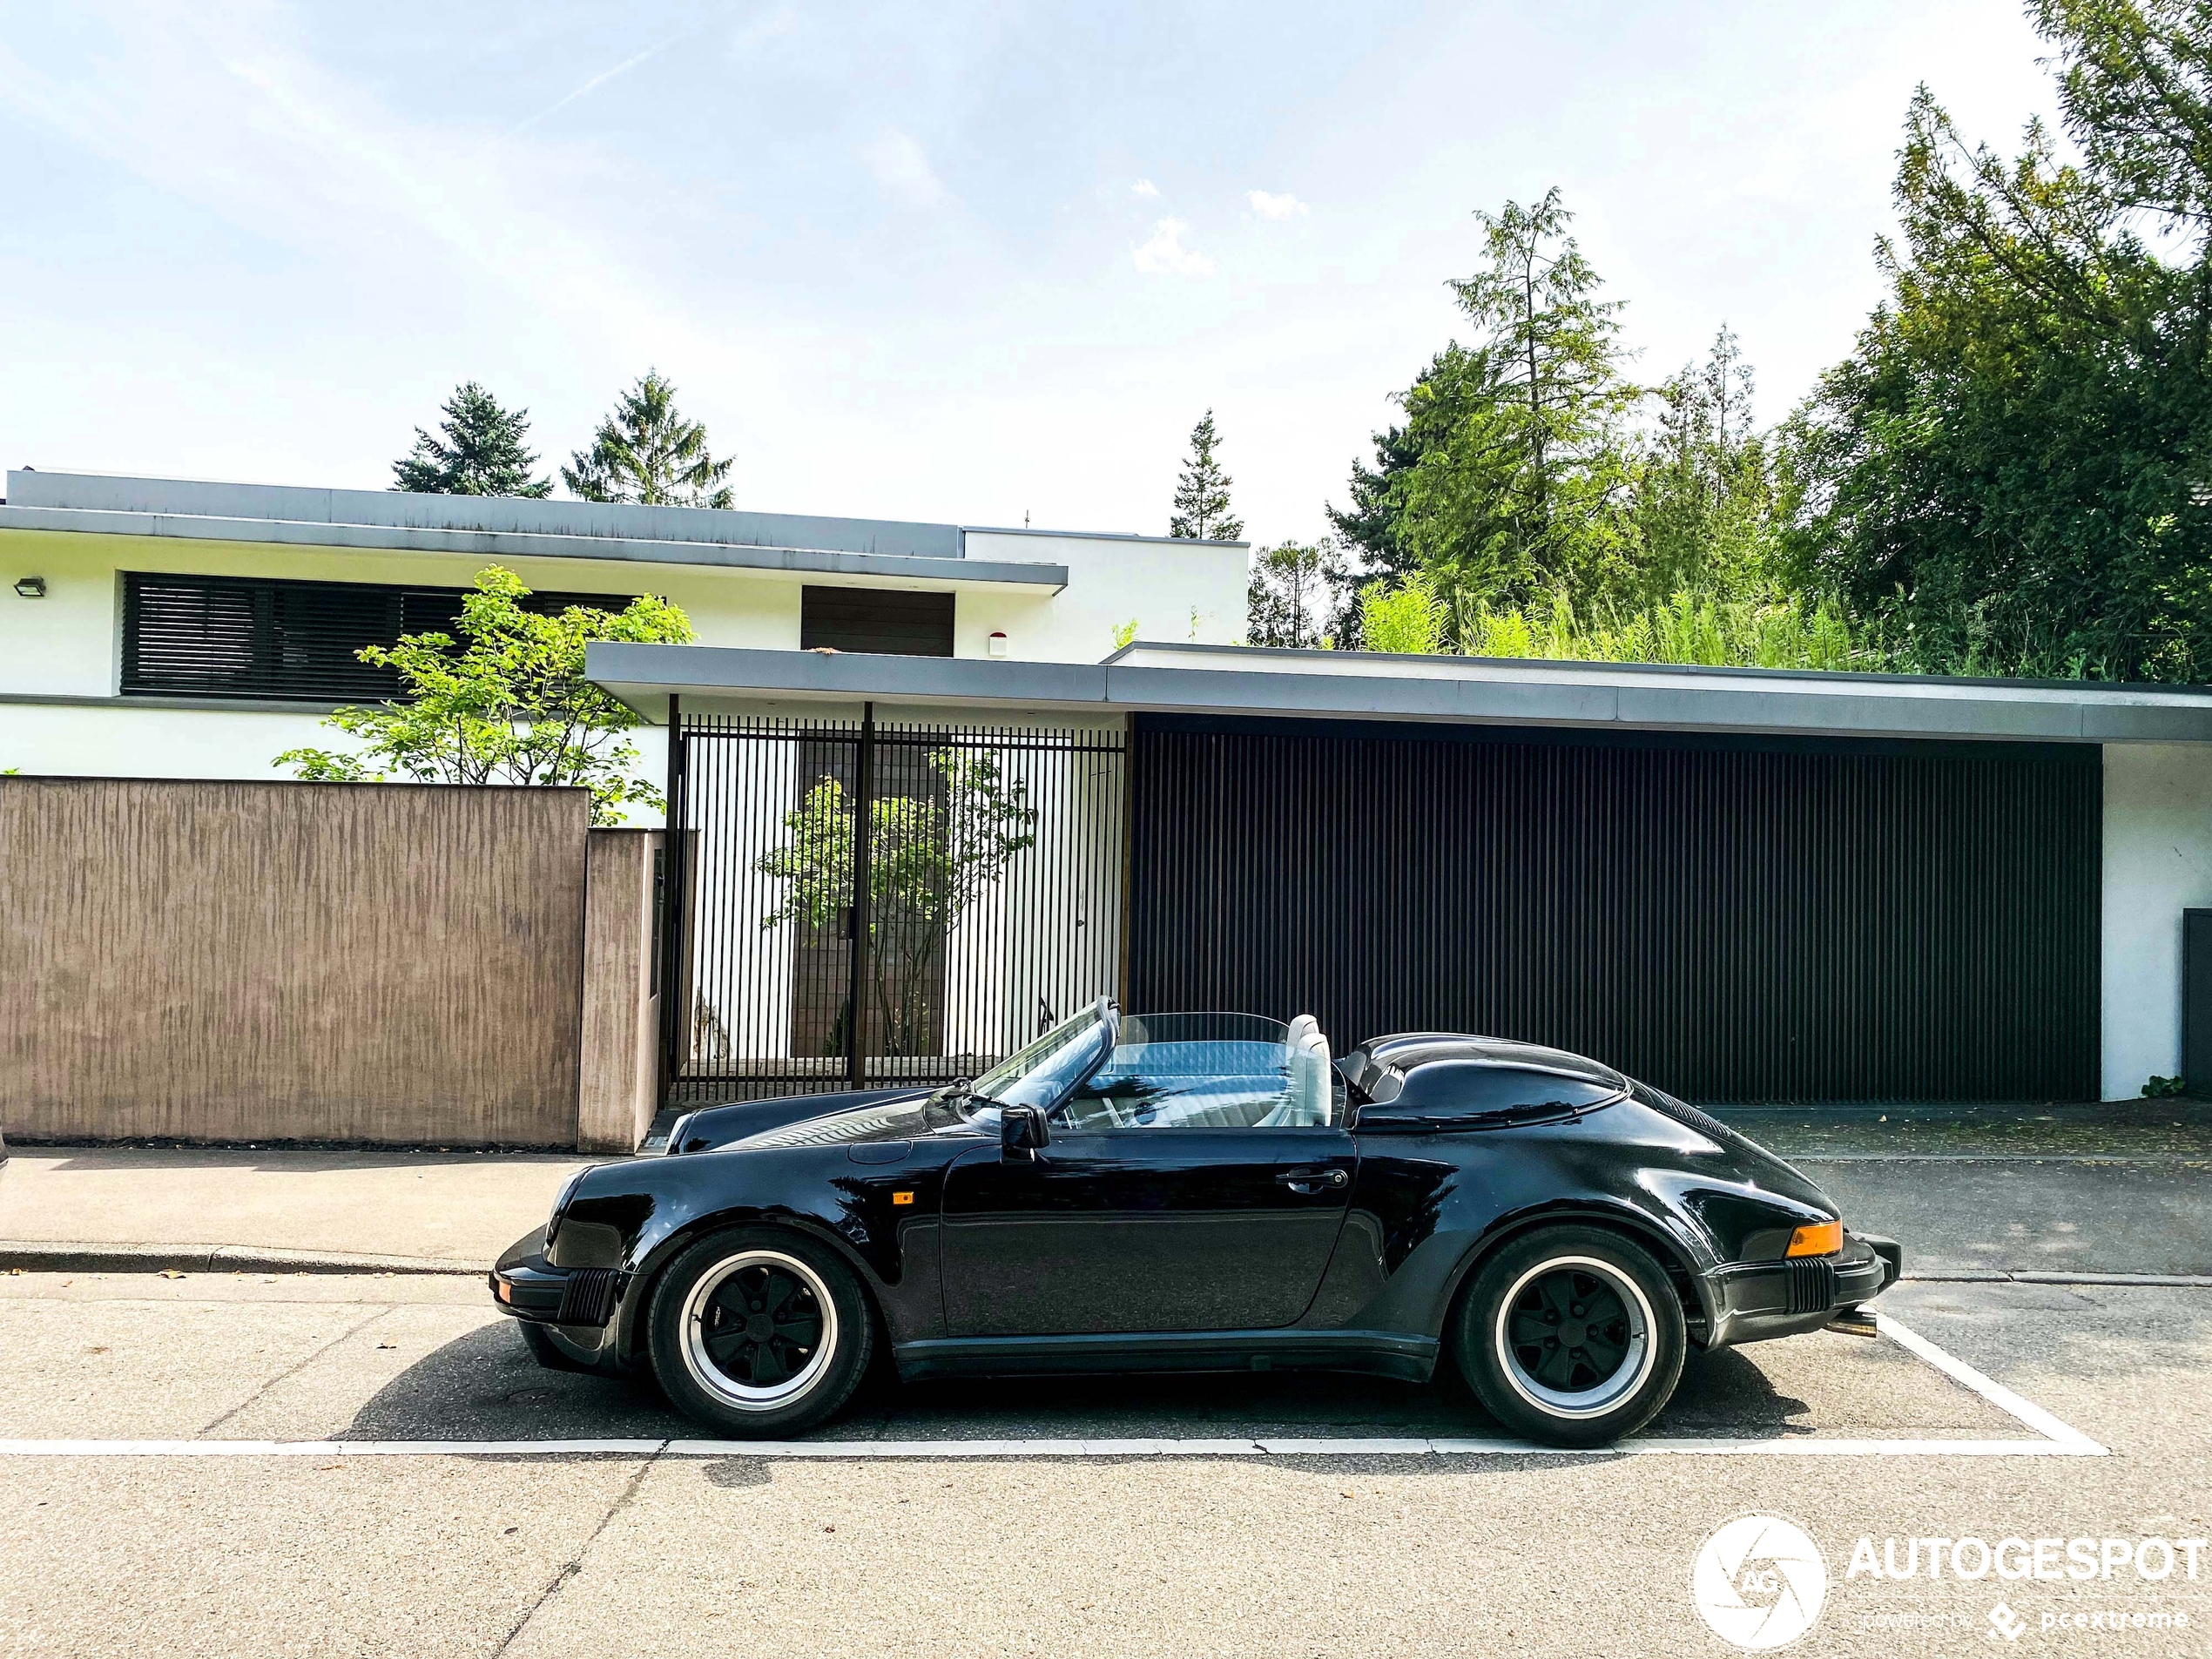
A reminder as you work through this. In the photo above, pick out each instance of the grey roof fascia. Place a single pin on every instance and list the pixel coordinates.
(512, 515)
(527, 545)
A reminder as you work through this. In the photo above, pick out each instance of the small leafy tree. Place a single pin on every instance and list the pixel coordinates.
(1202, 492)
(482, 449)
(928, 862)
(647, 453)
(507, 704)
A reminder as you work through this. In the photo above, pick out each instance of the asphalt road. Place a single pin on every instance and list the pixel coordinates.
(734, 1554)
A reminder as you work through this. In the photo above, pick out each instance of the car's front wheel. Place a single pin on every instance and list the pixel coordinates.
(757, 1332)
(1572, 1336)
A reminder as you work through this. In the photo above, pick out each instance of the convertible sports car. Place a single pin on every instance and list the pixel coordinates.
(1196, 1191)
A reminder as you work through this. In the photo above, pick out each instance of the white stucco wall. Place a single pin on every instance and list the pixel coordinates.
(2157, 863)
(1111, 581)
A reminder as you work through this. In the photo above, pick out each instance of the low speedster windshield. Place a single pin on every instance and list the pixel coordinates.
(1041, 1073)
(1164, 1071)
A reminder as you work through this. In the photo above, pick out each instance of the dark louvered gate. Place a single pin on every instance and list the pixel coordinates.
(1732, 919)
(989, 887)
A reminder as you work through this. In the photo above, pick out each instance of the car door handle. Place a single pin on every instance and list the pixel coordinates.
(1313, 1180)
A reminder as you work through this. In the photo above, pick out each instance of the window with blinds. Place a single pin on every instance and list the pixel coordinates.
(248, 637)
(876, 619)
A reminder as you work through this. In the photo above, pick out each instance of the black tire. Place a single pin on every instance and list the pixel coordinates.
(1571, 1336)
(759, 1332)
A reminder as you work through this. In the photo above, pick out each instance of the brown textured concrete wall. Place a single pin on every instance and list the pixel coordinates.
(225, 962)
(619, 1075)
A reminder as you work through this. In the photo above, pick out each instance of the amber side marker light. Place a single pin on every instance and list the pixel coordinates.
(1825, 1239)
(902, 1197)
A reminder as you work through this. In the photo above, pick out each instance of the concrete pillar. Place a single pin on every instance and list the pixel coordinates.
(618, 1076)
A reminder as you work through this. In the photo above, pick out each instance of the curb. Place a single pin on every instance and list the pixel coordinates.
(60, 1256)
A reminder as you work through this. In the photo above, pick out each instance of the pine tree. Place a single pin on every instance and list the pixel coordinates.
(647, 453)
(1287, 594)
(482, 451)
(1526, 488)
(1202, 493)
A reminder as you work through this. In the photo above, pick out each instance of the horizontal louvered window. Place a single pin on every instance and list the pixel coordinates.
(243, 636)
(885, 620)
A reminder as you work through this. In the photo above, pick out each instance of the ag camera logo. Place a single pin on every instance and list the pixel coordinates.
(1758, 1582)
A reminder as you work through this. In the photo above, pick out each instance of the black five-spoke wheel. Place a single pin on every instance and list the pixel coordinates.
(1569, 1331)
(759, 1331)
(1572, 1335)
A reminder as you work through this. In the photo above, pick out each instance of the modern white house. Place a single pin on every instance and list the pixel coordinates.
(1741, 884)
(168, 628)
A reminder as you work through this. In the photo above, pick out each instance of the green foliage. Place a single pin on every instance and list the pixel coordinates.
(482, 449)
(507, 704)
(2165, 1089)
(1126, 634)
(1287, 599)
(1409, 617)
(929, 860)
(2008, 474)
(1522, 483)
(1774, 631)
(646, 452)
(1202, 492)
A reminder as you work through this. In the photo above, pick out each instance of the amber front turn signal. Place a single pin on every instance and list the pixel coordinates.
(1824, 1239)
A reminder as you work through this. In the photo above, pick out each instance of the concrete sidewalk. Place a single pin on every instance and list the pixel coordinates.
(117, 1208)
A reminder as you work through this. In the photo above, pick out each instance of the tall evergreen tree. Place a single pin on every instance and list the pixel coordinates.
(1202, 492)
(646, 452)
(1527, 489)
(481, 450)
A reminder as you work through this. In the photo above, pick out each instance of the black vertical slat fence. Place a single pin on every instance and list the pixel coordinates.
(1732, 922)
(991, 889)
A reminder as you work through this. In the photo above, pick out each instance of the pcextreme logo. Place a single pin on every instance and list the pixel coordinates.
(1758, 1582)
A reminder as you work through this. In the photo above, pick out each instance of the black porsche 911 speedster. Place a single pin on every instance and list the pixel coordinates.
(1196, 1191)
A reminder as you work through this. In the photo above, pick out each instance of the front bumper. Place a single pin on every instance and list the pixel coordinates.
(568, 1313)
(1756, 1301)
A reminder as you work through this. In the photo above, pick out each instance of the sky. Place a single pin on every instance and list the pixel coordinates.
(977, 263)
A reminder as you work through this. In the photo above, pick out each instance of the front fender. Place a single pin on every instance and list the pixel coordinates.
(637, 1216)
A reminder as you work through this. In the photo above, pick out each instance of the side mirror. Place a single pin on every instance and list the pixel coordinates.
(1021, 1131)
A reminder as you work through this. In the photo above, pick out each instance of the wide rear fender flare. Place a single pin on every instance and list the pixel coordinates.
(1673, 1252)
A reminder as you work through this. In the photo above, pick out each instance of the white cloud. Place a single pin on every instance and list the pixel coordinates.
(1144, 187)
(1282, 206)
(900, 167)
(1164, 255)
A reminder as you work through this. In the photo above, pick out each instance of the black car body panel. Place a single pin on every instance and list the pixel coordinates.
(1340, 1244)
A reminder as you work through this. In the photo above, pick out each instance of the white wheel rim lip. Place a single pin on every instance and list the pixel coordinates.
(727, 1389)
(1622, 1385)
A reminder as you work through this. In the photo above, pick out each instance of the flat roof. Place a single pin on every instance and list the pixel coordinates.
(498, 526)
(1244, 680)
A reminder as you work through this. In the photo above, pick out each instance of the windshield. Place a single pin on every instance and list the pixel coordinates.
(1040, 1074)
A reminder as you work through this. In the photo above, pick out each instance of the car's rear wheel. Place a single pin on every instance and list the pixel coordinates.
(757, 1332)
(1573, 1336)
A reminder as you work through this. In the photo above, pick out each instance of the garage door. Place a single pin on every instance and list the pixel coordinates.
(1733, 919)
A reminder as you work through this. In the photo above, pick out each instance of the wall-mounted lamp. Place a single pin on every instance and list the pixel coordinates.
(996, 644)
(31, 586)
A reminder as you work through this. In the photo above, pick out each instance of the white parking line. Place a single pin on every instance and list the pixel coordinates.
(2059, 1439)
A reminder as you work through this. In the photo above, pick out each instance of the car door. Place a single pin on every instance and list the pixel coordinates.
(1143, 1227)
